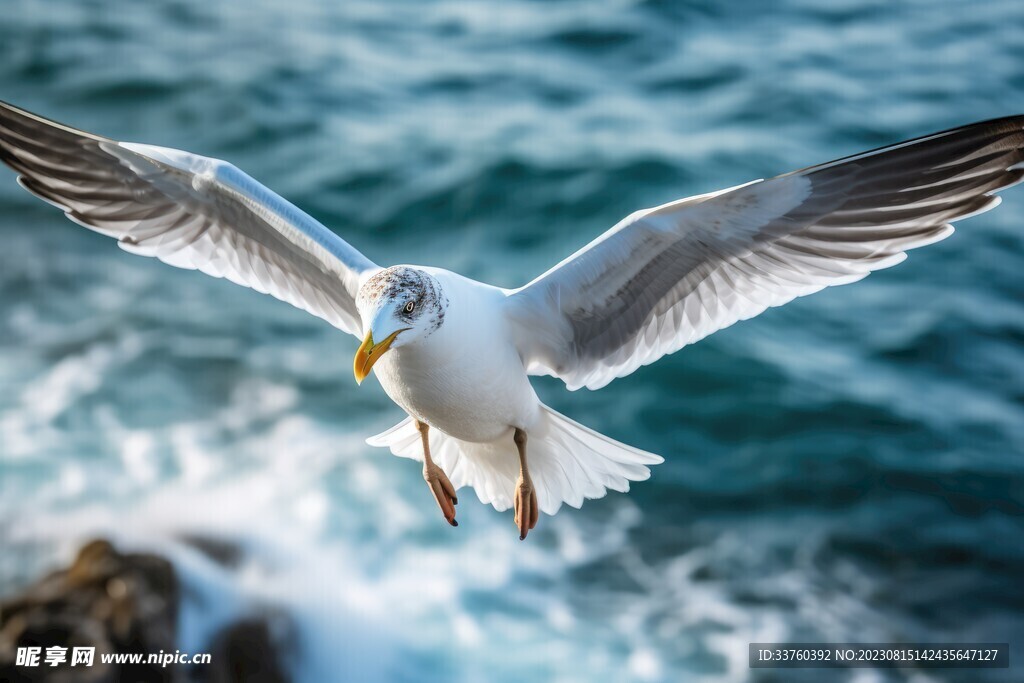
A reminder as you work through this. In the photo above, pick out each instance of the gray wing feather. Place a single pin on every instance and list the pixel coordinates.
(188, 211)
(669, 276)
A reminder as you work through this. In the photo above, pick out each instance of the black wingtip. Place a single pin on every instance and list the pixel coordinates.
(13, 112)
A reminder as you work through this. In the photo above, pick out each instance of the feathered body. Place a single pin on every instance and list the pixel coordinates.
(463, 377)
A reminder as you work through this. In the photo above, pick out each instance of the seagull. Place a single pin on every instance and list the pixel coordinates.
(456, 354)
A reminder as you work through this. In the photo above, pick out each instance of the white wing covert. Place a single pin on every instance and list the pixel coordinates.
(188, 211)
(669, 276)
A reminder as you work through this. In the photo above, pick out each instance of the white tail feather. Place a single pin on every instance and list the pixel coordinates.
(568, 462)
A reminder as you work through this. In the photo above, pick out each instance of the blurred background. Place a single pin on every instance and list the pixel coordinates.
(847, 468)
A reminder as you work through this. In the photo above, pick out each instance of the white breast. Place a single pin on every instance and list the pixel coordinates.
(466, 379)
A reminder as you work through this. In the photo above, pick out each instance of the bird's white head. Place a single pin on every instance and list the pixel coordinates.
(399, 306)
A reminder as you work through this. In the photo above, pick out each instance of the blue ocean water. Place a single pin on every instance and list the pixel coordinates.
(849, 467)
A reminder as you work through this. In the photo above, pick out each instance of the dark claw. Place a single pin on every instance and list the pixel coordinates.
(454, 522)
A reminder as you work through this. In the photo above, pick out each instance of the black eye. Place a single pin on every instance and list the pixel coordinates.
(409, 306)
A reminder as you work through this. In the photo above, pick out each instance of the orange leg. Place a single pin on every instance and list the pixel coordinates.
(437, 480)
(525, 498)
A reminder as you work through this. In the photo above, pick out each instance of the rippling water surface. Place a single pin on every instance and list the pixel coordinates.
(848, 467)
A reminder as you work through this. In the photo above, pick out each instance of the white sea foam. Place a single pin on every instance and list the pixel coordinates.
(370, 580)
(349, 547)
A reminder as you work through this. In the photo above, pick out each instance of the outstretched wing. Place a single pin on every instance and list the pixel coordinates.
(189, 211)
(669, 276)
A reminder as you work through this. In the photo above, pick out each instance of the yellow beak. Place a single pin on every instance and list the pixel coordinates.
(369, 353)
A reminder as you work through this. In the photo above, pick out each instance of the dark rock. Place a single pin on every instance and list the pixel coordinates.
(107, 600)
(222, 552)
(123, 603)
(246, 652)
